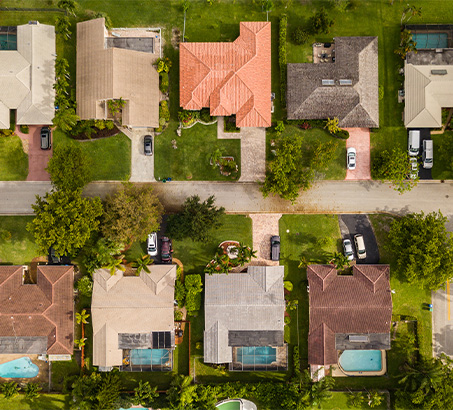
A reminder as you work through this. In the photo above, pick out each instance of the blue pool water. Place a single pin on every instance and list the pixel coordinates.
(361, 360)
(430, 40)
(8, 41)
(150, 356)
(22, 367)
(256, 355)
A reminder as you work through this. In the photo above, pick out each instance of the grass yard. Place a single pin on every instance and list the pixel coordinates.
(21, 248)
(13, 159)
(44, 401)
(191, 159)
(111, 157)
(442, 169)
(339, 400)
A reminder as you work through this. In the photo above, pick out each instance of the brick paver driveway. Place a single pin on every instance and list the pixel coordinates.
(263, 227)
(37, 158)
(359, 138)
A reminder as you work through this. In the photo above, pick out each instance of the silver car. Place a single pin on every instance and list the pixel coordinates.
(151, 244)
(348, 250)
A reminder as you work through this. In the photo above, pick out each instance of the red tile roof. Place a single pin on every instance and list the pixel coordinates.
(230, 78)
(361, 303)
(45, 309)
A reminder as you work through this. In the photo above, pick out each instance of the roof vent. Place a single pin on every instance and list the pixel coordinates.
(359, 338)
(439, 72)
(345, 82)
(34, 22)
(328, 82)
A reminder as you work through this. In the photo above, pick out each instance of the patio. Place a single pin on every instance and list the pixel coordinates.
(147, 40)
(323, 53)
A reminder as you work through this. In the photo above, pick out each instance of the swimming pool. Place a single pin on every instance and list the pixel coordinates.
(361, 360)
(229, 405)
(430, 40)
(8, 41)
(150, 356)
(19, 368)
(256, 354)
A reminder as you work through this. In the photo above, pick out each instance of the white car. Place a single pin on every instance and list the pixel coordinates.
(414, 167)
(151, 244)
(351, 158)
(348, 251)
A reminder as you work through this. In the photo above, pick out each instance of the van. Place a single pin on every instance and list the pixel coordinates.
(360, 246)
(414, 142)
(427, 154)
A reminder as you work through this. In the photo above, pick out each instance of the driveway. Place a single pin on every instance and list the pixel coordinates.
(142, 166)
(263, 227)
(351, 225)
(37, 158)
(425, 134)
(359, 138)
(442, 321)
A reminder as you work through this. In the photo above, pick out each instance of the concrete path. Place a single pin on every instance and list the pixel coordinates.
(442, 321)
(263, 227)
(359, 138)
(142, 166)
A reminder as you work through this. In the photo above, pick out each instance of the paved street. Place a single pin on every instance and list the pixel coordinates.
(442, 321)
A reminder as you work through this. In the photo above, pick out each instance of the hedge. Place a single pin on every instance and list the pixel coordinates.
(194, 287)
(282, 58)
(164, 82)
(343, 134)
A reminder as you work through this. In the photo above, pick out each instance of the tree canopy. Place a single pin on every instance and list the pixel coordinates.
(65, 221)
(131, 214)
(423, 249)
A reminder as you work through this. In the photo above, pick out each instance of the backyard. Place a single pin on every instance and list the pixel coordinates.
(13, 159)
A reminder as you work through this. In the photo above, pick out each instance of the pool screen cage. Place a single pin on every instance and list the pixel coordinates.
(435, 34)
(165, 363)
(256, 361)
(8, 38)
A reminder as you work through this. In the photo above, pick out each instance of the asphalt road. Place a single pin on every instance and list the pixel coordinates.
(353, 224)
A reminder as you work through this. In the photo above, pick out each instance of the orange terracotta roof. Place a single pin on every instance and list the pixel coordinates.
(230, 78)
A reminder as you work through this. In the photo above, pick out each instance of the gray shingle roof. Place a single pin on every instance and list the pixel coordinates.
(356, 105)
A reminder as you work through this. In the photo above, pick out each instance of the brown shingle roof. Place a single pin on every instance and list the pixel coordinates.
(45, 309)
(361, 303)
(356, 105)
(230, 78)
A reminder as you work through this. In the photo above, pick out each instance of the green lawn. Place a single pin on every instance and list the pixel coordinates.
(44, 401)
(21, 248)
(191, 159)
(110, 157)
(13, 159)
(339, 400)
(441, 169)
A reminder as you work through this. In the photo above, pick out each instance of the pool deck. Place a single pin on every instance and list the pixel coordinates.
(42, 377)
(337, 371)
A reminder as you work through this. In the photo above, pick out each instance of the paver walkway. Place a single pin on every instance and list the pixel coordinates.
(142, 166)
(263, 227)
(253, 150)
(442, 321)
(359, 138)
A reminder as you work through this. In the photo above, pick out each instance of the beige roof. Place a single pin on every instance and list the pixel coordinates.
(129, 304)
(113, 73)
(27, 76)
(426, 94)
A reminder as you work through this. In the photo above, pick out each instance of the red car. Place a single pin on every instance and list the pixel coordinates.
(166, 250)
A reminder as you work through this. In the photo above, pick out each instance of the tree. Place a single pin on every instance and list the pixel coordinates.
(409, 12)
(131, 214)
(99, 252)
(407, 44)
(9, 389)
(423, 249)
(67, 5)
(320, 22)
(340, 260)
(374, 398)
(32, 390)
(82, 317)
(266, 6)
(299, 36)
(395, 167)
(64, 220)
(314, 393)
(80, 342)
(145, 394)
(244, 254)
(69, 168)
(142, 264)
(65, 119)
(85, 286)
(115, 264)
(185, 7)
(197, 220)
(194, 288)
(63, 26)
(356, 399)
(182, 392)
(332, 125)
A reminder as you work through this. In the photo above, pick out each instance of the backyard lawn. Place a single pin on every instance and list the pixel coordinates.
(441, 168)
(110, 157)
(190, 161)
(44, 401)
(339, 400)
(13, 159)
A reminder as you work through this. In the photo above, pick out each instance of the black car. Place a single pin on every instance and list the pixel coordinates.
(52, 258)
(148, 145)
(275, 248)
(166, 250)
(45, 138)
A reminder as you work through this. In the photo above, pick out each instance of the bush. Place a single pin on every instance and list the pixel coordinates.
(320, 22)
(164, 112)
(188, 117)
(194, 287)
(230, 124)
(178, 315)
(5, 235)
(296, 362)
(287, 320)
(282, 58)
(85, 286)
(288, 285)
(300, 36)
(381, 92)
(343, 134)
(164, 82)
(180, 293)
(205, 115)
(24, 129)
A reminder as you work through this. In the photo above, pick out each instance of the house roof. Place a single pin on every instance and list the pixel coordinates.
(230, 78)
(33, 311)
(27, 76)
(240, 307)
(129, 304)
(355, 105)
(360, 303)
(113, 73)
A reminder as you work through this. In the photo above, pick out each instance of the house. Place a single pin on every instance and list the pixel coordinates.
(344, 84)
(347, 312)
(244, 319)
(133, 319)
(27, 74)
(106, 71)
(428, 76)
(230, 78)
(37, 318)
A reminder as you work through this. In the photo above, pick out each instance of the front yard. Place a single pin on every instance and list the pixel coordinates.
(13, 159)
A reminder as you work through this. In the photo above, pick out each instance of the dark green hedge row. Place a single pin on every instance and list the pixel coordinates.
(282, 58)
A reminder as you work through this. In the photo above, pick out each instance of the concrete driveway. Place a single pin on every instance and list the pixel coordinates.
(263, 227)
(359, 138)
(353, 224)
(37, 158)
(142, 166)
(442, 321)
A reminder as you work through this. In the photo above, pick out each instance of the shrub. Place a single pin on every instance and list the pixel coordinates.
(178, 315)
(164, 112)
(194, 287)
(381, 92)
(24, 129)
(230, 124)
(296, 362)
(85, 286)
(108, 21)
(188, 117)
(288, 285)
(282, 58)
(300, 36)
(180, 293)
(205, 115)
(320, 22)
(343, 134)
(5, 235)
(164, 82)
(287, 320)
(199, 345)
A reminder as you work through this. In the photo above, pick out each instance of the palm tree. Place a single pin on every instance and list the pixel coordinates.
(62, 25)
(67, 5)
(32, 390)
(142, 264)
(82, 317)
(115, 264)
(182, 392)
(80, 343)
(421, 376)
(266, 5)
(410, 11)
(374, 398)
(340, 261)
(10, 389)
(244, 254)
(185, 7)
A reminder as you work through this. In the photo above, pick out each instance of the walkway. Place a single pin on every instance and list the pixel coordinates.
(359, 138)
(253, 150)
(442, 321)
(263, 227)
(142, 166)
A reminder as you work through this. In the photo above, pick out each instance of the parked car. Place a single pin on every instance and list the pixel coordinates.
(52, 258)
(166, 250)
(351, 158)
(275, 248)
(414, 167)
(347, 249)
(151, 244)
(46, 142)
(427, 154)
(148, 140)
(414, 142)
(360, 246)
